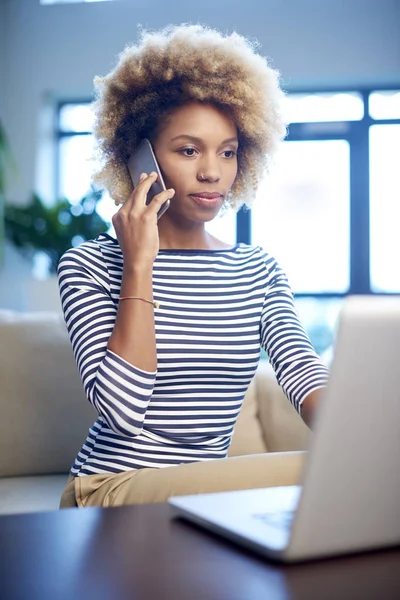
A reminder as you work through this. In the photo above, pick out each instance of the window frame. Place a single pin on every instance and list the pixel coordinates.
(357, 136)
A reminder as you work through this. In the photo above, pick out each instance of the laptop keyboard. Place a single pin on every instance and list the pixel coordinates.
(282, 519)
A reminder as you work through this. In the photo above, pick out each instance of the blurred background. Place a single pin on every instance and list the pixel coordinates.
(329, 211)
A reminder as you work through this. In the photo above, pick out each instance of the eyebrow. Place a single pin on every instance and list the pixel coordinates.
(200, 141)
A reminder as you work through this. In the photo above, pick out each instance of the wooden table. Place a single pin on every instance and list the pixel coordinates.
(138, 552)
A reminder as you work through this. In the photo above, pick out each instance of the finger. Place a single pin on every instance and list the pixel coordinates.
(139, 195)
(130, 202)
(127, 205)
(147, 180)
(159, 200)
(142, 178)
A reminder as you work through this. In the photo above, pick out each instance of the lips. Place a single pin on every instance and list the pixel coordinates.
(209, 199)
(207, 195)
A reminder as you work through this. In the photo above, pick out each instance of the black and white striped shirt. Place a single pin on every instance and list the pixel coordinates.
(217, 307)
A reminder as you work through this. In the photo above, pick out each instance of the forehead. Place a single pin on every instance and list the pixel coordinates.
(199, 120)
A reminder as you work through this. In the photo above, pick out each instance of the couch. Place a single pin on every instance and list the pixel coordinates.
(45, 415)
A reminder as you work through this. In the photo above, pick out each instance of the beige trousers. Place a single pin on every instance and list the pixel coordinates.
(150, 485)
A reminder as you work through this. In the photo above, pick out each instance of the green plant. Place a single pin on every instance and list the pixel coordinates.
(53, 229)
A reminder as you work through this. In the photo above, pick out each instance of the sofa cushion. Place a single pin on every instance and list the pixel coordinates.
(248, 436)
(45, 414)
(281, 424)
(31, 494)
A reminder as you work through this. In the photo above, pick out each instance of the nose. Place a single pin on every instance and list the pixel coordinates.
(209, 171)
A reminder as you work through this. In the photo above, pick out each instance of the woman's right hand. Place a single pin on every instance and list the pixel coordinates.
(135, 224)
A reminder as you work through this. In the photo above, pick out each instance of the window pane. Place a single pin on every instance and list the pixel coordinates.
(224, 228)
(311, 108)
(384, 105)
(75, 166)
(385, 207)
(76, 117)
(301, 215)
(106, 208)
(320, 318)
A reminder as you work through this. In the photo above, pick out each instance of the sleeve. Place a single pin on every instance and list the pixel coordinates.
(298, 368)
(119, 391)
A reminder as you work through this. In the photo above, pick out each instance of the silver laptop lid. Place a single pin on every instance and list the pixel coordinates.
(351, 496)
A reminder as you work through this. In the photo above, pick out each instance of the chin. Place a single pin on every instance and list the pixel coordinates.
(204, 216)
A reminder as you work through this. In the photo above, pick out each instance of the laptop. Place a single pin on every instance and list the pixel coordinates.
(349, 500)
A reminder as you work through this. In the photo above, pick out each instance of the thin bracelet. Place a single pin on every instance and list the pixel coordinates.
(153, 302)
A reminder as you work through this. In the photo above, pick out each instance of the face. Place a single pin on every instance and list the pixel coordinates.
(197, 152)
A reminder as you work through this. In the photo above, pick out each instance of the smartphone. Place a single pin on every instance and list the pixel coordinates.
(143, 160)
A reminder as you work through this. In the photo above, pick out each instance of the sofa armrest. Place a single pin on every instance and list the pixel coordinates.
(46, 414)
(282, 427)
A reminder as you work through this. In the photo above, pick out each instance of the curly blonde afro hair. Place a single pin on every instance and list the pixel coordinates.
(171, 67)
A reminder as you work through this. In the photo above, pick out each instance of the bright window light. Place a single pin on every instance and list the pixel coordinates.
(301, 215)
(324, 107)
(385, 207)
(76, 118)
(385, 105)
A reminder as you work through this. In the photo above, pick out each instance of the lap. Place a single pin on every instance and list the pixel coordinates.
(150, 485)
(68, 498)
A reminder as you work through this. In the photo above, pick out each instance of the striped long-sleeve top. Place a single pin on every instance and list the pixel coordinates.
(217, 308)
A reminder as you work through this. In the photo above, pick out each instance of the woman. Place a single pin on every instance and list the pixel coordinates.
(166, 322)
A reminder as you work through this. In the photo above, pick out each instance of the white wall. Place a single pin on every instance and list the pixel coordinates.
(2, 52)
(55, 51)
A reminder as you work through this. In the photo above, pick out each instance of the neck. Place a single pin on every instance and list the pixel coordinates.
(192, 237)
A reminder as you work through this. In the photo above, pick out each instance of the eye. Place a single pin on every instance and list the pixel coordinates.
(188, 151)
(232, 153)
